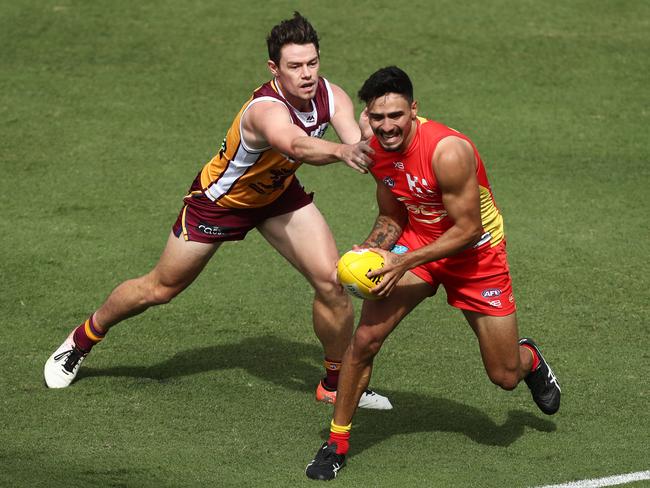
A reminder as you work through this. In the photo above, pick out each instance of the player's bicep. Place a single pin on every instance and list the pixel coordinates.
(455, 170)
(270, 125)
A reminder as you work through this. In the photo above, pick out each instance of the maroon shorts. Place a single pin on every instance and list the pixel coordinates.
(202, 220)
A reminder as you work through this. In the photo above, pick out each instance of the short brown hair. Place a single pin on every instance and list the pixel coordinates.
(297, 30)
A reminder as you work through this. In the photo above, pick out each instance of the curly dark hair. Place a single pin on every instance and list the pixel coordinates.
(386, 80)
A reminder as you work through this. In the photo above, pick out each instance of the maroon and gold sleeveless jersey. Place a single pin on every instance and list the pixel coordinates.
(411, 179)
(242, 177)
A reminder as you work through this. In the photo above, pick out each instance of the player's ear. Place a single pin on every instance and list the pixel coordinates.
(273, 68)
(414, 109)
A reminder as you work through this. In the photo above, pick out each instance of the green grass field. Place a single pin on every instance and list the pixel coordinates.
(108, 110)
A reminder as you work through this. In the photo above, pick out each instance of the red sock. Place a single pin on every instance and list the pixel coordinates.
(342, 441)
(86, 335)
(535, 356)
(332, 369)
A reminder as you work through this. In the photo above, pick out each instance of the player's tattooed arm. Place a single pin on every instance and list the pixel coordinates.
(384, 234)
(390, 222)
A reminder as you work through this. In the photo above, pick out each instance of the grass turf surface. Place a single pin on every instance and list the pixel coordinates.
(108, 110)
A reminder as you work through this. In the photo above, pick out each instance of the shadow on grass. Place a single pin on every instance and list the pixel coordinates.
(290, 365)
(268, 357)
(420, 413)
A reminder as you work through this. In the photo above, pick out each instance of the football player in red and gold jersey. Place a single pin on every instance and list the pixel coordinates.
(251, 184)
(438, 224)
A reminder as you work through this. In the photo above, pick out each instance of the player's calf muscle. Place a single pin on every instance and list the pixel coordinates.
(506, 381)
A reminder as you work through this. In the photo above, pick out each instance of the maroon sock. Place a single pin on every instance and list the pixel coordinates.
(332, 369)
(86, 335)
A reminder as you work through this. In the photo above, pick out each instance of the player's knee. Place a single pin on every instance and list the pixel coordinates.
(329, 291)
(158, 290)
(162, 294)
(504, 378)
(365, 344)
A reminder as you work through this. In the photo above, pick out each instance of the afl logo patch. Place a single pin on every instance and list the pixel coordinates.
(491, 293)
(389, 182)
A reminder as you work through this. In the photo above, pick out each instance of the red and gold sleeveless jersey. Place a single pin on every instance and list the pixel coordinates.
(410, 178)
(242, 177)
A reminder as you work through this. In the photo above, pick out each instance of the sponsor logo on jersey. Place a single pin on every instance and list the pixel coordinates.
(419, 187)
(310, 118)
(278, 178)
(398, 165)
(495, 303)
(389, 182)
(428, 213)
(491, 292)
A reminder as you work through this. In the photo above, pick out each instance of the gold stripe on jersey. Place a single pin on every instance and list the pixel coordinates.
(491, 217)
(240, 177)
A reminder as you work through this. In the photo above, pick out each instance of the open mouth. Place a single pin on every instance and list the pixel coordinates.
(390, 138)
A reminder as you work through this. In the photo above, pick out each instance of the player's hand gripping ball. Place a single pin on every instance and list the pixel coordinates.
(352, 269)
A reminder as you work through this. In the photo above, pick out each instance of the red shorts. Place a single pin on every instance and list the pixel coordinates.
(477, 280)
(202, 220)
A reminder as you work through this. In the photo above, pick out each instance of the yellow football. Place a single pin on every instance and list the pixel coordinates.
(352, 269)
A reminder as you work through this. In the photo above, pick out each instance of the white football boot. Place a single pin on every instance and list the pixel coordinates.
(62, 366)
(369, 399)
(374, 401)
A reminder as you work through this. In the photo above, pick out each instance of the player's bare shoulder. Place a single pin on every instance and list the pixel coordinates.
(261, 118)
(453, 151)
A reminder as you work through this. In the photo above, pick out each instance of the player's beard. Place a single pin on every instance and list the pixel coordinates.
(391, 147)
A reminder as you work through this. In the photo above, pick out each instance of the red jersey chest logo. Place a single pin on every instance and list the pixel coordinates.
(422, 200)
(420, 188)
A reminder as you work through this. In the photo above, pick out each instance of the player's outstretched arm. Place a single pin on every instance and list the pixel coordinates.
(343, 120)
(346, 126)
(269, 123)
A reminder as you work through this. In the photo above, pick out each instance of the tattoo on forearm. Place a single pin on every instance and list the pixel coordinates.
(384, 234)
